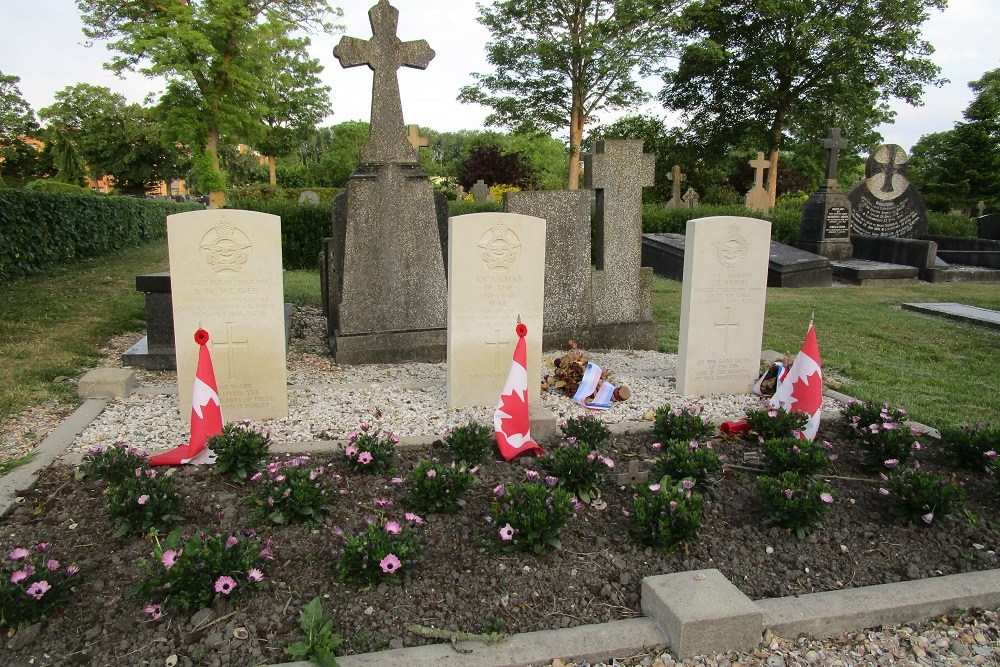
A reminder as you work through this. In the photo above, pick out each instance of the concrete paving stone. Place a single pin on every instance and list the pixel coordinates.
(106, 383)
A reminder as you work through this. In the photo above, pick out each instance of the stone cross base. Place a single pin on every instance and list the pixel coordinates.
(617, 336)
(831, 249)
(388, 347)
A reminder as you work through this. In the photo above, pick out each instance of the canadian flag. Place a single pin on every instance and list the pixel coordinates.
(802, 388)
(206, 413)
(511, 421)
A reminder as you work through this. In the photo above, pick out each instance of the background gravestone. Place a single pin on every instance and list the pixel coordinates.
(676, 178)
(826, 216)
(691, 198)
(496, 269)
(758, 198)
(722, 305)
(308, 196)
(383, 269)
(481, 191)
(225, 277)
(989, 226)
(885, 203)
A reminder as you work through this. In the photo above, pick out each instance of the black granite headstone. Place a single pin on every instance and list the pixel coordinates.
(885, 203)
(989, 226)
(826, 216)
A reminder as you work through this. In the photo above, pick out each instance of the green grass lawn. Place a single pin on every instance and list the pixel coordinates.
(941, 371)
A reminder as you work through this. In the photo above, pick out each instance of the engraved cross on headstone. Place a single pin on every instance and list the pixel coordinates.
(726, 326)
(228, 345)
(384, 53)
(759, 165)
(496, 349)
(416, 139)
(889, 168)
(676, 177)
(834, 144)
(633, 475)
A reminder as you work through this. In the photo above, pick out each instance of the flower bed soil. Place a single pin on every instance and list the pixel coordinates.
(462, 582)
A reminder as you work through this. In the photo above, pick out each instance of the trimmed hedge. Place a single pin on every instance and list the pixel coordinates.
(40, 230)
(303, 227)
(270, 192)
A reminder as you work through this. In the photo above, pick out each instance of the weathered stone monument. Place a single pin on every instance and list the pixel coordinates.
(481, 192)
(676, 178)
(416, 140)
(758, 199)
(826, 216)
(722, 305)
(225, 277)
(691, 198)
(383, 269)
(308, 196)
(885, 203)
(496, 270)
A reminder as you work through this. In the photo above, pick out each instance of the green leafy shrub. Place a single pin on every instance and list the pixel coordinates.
(470, 443)
(805, 457)
(972, 447)
(529, 517)
(576, 468)
(772, 423)
(587, 429)
(862, 414)
(292, 491)
(192, 574)
(371, 452)
(33, 584)
(303, 227)
(887, 445)
(240, 451)
(382, 553)
(142, 502)
(41, 230)
(691, 460)
(681, 424)
(919, 496)
(794, 502)
(666, 514)
(785, 218)
(113, 464)
(49, 186)
(320, 645)
(433, 487)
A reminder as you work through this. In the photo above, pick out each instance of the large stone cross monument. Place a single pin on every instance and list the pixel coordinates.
(383, 270)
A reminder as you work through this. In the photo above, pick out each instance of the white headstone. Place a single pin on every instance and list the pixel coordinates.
(722, 304)
(225, 277)
(496, 272)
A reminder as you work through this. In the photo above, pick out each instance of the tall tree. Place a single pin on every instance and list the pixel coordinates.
(559, 61)
(291, 100)
(210, 52)
(753, 71)
(74, 108)
(17, 120)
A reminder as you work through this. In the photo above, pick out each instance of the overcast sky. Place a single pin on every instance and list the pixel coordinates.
(43, 44)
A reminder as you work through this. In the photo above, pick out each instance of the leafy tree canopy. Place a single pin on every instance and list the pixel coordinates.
(16, 116)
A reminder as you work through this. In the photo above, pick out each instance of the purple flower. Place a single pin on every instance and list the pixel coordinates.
(279, 478)
(673, 505)
(928, 518)
(608, 462)
(576, 503)
(432, 473)
(39, 588)
(394, 439)
(52, 565)
(654, 487)
(138, 472)
(72, 569)
(170, 557)
(364, 458)
(499, 490)
(351, 450)
(154, 611)
(225, 585)
(883, 491)
(410, 516)
(352, 436)
(143, 499)
(507, 533)
(789, 493)
(393, 528)
(826, 498)
(382, 503)
(531, 474)
(891, 463)
(18, 554)
(42, 547)
(656, 446)
(990, 454)
(18, 576)
(688, 484)
(257, 476)
(390, 564)
(571, 440)
(255, 576)
(365, 427)
(231, 541)
(551, 481)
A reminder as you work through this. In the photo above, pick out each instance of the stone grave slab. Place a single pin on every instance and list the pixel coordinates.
(864, 272)
(787, 265)
(959, 312)
(722, 305)
(106, 383)
(225, 277)
(497, 274)
(989, 226)
(885, 203)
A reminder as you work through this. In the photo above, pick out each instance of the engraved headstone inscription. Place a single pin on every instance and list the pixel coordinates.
(885, 202)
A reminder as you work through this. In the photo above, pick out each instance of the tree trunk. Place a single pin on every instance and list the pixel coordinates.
(772, 176)
(272, 178)
(576, 121)
(216, 198)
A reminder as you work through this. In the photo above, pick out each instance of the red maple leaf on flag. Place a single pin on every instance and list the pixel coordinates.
(518, 421)
(808, 397)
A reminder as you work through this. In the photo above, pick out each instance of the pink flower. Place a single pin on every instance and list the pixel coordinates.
(224, 585)
(352, 436)
(39, 588)
(18, 554)
(928, 518)
(608, 462)
(499, 490)
(255, 576)
(394, 439)
(351, 450)
(551, 481)
(507, 533)
(688, 484)
(138, 472)
(990, 454)
(576, 503)
(891, 463)
(474, 470)
(410, 516)
(143, 499)
(654, 487)
(883, 491)
(170, 557)
(826, 498)
(789, 493)
(52, 565)
(279, 478)
(231, 541)
(531, 474)
(18, 576)
(432, 473)
(396, 480)
(393, 528)
(72, 569)
(364, 458)
(390, 564)
(42, 547)
(337, 530)
(382, 503)
(656, 446)
(154, 611)
(365, 427)
(673, 505)
(257, 476)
